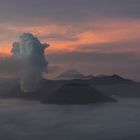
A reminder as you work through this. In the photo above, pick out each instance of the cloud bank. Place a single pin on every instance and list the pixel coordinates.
(113, 121)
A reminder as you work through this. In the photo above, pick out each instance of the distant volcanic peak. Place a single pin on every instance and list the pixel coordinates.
(75, 75)
(70, 75)
(77, 93)
(72, 71)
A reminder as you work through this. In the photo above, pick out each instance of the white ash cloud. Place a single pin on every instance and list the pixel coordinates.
(29, 51)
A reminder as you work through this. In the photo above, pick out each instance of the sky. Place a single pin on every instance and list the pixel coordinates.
(92, 36)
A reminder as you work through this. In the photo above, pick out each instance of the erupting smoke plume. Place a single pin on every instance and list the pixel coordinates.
(30, 53)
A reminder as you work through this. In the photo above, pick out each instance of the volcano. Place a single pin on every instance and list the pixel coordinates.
(76, 93)
(70, 75)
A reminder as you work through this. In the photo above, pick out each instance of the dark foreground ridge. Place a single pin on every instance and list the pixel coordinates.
(95, 90)
(76, 93)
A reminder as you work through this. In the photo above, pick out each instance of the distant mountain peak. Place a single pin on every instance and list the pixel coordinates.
(70, 75)
(71, 71)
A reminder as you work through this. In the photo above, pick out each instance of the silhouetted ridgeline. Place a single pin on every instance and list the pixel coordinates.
(60, 91)
(100, 79)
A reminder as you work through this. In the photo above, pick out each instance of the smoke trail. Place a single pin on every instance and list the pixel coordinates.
(30, 53)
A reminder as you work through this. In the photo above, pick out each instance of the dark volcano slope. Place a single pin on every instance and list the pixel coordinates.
(76, 93)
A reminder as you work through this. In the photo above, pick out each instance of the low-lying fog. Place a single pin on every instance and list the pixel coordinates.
(26, 120)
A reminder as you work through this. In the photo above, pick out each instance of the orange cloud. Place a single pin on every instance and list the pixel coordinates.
(85, 38)
(74, 36)
(5, 49)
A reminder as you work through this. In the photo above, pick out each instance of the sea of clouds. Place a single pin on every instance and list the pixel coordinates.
(22, 120)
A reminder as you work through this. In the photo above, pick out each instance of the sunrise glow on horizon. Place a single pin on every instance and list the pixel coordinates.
(102, 36)
(68, 38)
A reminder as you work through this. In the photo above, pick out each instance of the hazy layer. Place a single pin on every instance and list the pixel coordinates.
(30, 120)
